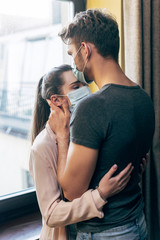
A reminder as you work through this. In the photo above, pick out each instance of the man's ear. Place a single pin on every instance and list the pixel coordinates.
(56, 100)
(87, 49)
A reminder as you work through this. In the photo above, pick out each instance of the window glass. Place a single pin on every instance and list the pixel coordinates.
(29, 47)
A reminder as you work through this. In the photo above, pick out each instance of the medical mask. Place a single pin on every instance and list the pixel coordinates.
(80, 75)
(76, 96)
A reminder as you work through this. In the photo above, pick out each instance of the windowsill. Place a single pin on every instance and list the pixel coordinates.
(23, 228)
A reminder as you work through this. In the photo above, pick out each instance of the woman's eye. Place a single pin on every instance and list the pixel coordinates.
(76, 87)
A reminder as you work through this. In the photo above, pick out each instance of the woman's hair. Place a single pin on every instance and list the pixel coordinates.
(94, 26)
(49, 84)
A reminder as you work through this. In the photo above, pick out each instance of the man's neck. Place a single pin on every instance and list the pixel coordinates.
(106, 71)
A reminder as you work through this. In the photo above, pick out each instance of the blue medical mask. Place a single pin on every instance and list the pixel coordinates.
(80, 75)
(76, 96)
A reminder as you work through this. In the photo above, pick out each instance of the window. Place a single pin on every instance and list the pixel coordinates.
(29, 47)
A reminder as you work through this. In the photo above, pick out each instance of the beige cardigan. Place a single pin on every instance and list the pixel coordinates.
(56, 213)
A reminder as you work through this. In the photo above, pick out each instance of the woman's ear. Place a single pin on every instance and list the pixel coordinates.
(56, 100)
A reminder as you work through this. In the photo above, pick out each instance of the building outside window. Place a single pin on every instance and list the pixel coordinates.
(29, 47)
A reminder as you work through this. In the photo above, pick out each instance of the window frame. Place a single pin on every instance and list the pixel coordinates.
(18, 204)
(78, 5)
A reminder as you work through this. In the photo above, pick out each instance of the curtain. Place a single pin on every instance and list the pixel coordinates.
(141, 20)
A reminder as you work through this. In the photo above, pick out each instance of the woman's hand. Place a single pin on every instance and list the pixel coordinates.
(109, 186)
(59, 120)
(143, 164)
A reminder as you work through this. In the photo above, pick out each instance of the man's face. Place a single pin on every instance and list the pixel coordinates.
(80, 60)
(76, 55)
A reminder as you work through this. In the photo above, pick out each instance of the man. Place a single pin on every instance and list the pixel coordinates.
(113, 126)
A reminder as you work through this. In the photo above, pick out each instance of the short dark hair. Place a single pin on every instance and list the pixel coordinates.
(97, 27)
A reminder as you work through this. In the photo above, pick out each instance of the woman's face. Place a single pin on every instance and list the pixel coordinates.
(70, 83)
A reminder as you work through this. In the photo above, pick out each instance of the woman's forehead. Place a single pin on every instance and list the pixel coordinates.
(69, 77)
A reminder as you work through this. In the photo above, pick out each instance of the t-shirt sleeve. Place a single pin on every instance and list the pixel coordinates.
(88, 124)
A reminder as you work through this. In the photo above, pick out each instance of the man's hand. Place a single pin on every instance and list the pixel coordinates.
(59, 120)
(109, 186)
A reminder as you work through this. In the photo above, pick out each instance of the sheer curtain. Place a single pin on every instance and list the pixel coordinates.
(142, 65)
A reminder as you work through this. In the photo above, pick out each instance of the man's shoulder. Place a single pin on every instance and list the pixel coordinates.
(89, 107)
(93, 100)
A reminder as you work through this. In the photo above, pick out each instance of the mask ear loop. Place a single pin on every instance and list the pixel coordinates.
(59, 95)
(88, 57)
(85, 65)
(77, 52)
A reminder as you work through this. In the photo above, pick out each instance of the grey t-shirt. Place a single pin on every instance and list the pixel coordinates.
(119, 121)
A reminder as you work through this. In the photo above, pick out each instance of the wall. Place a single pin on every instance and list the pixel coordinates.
(115, 8)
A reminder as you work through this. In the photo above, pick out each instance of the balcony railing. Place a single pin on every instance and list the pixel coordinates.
(16, 108)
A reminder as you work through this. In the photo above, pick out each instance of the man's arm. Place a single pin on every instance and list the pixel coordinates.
(75, 177)
(76, 163)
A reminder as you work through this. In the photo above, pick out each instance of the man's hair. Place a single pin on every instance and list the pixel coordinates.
(96, 27)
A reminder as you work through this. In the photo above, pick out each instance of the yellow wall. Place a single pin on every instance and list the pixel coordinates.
(115, 8)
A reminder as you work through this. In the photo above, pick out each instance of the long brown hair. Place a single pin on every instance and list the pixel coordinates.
(48, 85)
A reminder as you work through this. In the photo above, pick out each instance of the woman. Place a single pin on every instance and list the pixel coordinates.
(57, 213)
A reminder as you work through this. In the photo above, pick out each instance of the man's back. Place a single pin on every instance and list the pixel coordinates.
(119, 121)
